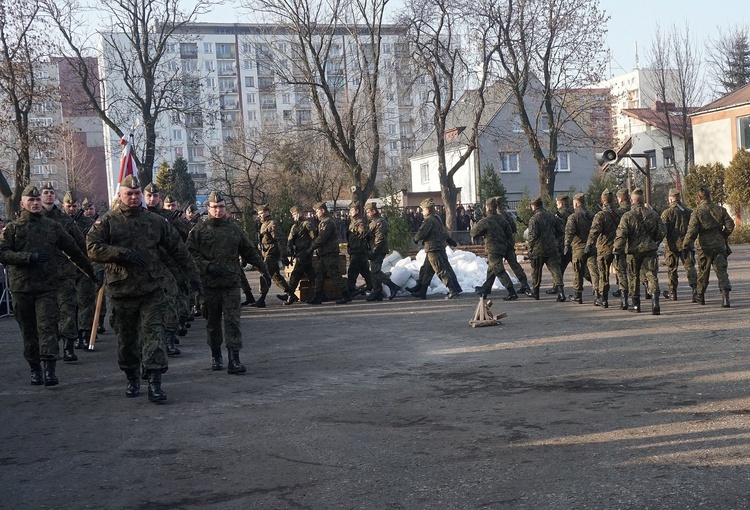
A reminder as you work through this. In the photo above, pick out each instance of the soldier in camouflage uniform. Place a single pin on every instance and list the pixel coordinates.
(28, 246)
(544, 231)
(576, 235)
(639, 233)
(510, 254)
(600, 241)
(67, 274)
(301, 236)
(85, 288)
(432, 234)
(327, 246)
(130, 242)
(676, 219)
(711, 226)
(378, 243)
(496, 231)
(171, 210)
(216, 244)
(89, 211)
(621, 264)
(357, 248)
(563, 212)
(271, 252)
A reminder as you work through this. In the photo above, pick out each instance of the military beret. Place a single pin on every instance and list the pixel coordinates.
(169, 199)
(537, 200)
(152, 188)
(320, 205)
(130, 181)
(638, 191)
(262, 207)
(491, 203)
(69, 198)
(371, 205)
(623, 192)
(562, 198)
(606, 193)
(580, 197)
(674, 192)
(215, 196)
(48, 185)
(295, 209)
(30, 191)
(426, 203)
(86, 202)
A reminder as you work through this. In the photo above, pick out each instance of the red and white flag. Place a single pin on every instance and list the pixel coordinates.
(127, 162)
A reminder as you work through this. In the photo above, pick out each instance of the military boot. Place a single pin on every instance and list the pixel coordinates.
(133, 389)
(394, 290)
(480, 291)
(421, 293)
(695, 294)
(291, 299)
(373, 296)
(259, 303)
(616, 293)
(415, 289)
(316, 299)
(50, 379)
(597, 298)
(624, 300)
(235, 366)
(637, 304)
(249, 299)
(561, 294)
(347, 298)
(217, 362)
(724, 298)
(171, 349)
(577, 297)
(524, 288)
(182, 330)
(534, 294)
(671, 293)
(605, 300)
(155, 393)
(79, 343)
(700, 298)
(512, 296)
(69, 354)
(645, 290)
(553, 290)
(655, 308)
(37, 379)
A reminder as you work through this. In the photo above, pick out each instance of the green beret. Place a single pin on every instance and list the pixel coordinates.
(320, 205)
(215, 197)
(86, 202)
(606, 194)
(169, 199)
(130, 181)
(30, 191)
(562, 198)
(262, 207)
(427, 203)
(580, 197)
(48, 185)
(69, 198)
(152, 188)
(491, 203)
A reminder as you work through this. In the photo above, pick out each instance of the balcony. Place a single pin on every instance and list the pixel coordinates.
(225, 55)
(227, 71)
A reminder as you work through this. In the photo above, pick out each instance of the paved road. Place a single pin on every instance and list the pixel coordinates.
(402, 405)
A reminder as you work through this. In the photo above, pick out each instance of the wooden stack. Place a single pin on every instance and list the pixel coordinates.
(306, 291)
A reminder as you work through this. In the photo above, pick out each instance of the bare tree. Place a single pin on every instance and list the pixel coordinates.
(729, 58)
(134, 50)
(547, 50)
(450, 62)
(80, 166)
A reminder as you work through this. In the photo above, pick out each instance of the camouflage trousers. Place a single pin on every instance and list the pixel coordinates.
(86, 300)
(272, 263)
(37, 316)
(359, 265)
(564, 260)
(328, 267)
(302, 267)
(621, 272)
(495, 268)
(673, 260)
(67, 303)
(378, 276)
(581, 262)
(139, 324)
(646, 265)
(553, 265)
(719, 262)
(603, 265)
(437, 263)
(221, 308)
(510, 257)
(171, 313)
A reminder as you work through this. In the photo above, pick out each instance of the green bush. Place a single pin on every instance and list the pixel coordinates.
(741, 235)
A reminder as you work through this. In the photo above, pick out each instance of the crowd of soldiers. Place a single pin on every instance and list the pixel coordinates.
(158, 264)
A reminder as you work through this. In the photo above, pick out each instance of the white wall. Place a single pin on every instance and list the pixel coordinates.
(713, 142)
(464, 177)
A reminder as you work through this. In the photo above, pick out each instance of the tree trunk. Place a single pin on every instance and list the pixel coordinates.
(449, 193)
(547, 177)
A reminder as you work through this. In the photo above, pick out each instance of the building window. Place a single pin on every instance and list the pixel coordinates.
(424, 171)
(743, 123)
(209, 66)
(392, 129)
(208, 47)
(178, 152)
(210, 82)
(651, 155)
(250, 98)
(251, 115)
(509, 162)
(668, 155)
(177, 134)
(249, 81)
(393, 144)
(563, 162)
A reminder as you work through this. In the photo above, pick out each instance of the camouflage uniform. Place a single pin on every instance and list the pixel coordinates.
(601, 239)
(544, 231)
(576, 235)
(300, 239)
(34, 281)
(85, 292)
(327, 247)
(562, 214)
(639, 233)
(358, 249)
(676, 219)
(433, 234)
(496, 231)
(269, 249)
(378, 242)
(621, 264)
(510, 253)
(711, 225)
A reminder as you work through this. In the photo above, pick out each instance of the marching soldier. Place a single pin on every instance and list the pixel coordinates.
(27, 247)
(676, 219)
(711, 226)
(621, 264)
(269, 249)
(510, 254)
(600, 241)
(171, 210)
(576, 234)
(300, 239)
(358, 250)
(496, 232)
(433, 235)
(327, 247)
(216, 244)
(639, 233)
(544, 231)
(378, 249)
(89, 210)
(564, 210)
(131, 242)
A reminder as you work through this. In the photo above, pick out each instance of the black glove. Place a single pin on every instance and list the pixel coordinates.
(100, 278)
(292, 251)
(136, 258)
(451, 242)
(309, 251)
(40, 257)
(566, 250)
(588, 249)
(214, 270)
(196, 285)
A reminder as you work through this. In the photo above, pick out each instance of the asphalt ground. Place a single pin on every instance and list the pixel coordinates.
(401, 405)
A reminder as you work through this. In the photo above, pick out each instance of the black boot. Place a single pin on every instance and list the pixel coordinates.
(37, 379)
(421, 293)
(453, 293)
(181, 330)
(524, 288)
(80, 343)
(171, 349)
(700, 299)
(553, 290)
(655, 308)
(605, 300)
(624, 300)
(561, 294)
(695, 295)
(512, 296)
(316, 299)
(259, 303)
(637, 304)
(645, 290)
(394, 290)
(534, 293)
(69, 354)
(50, 379)
(100, 329)
(235, 366)
(249, 299)
(133, 389)
(415, 289)
(291, 299)
(373, 296)
(347, 298)
(155, 394)
(598, 298)
(724, 298)
(577, 297)
(217, 362)
(617, 293)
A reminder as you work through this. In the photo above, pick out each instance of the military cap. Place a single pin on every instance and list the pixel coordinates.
(152, 188)
(537, 200)
(169, 199)
(295, 209)
(354, 205)
(674, 192)
(623, 192)
(580, 197)
(30, 191)
(86, 202)
(192, 208)
(638, 191)
(320, 205)
(48, 185)
(606, 194)
(130, 181)
(69, 198)
(371, 205)
(491, 203)
(426, 203)
(562, 198)
(262, 207)
(215, 196)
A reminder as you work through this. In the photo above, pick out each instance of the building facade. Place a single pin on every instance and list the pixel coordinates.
(722, 127)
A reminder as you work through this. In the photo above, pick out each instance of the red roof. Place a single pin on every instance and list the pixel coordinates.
(739, 97)
(658, 119)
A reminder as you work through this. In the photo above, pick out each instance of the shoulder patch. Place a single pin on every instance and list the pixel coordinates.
(98, 222)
